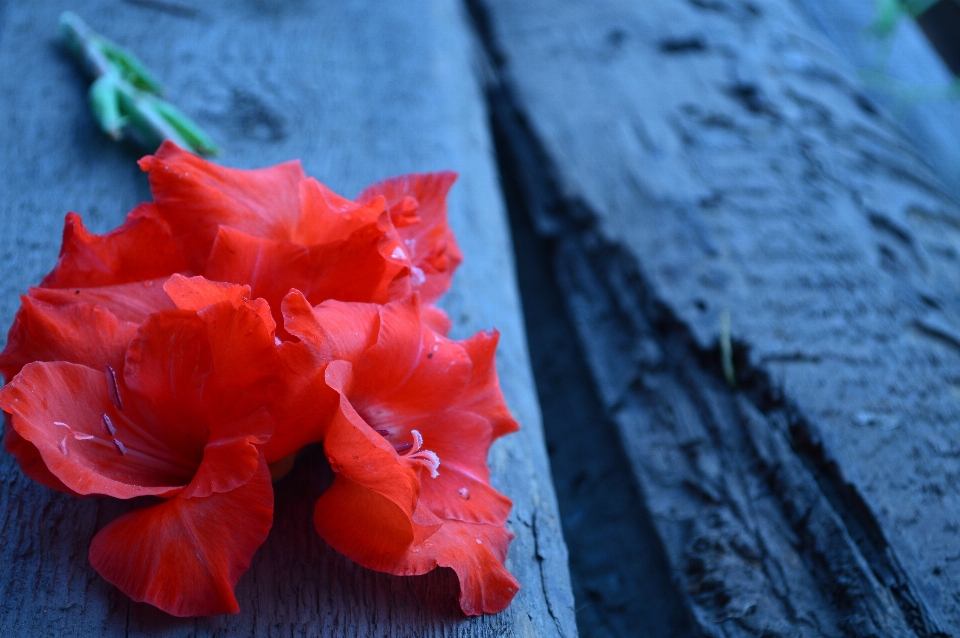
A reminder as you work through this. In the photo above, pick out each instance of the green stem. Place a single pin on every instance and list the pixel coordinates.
(125, 95)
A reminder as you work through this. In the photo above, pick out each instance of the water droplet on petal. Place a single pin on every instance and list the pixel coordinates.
(63, 445)
(464, 493)
(148, 283)
(479, 542)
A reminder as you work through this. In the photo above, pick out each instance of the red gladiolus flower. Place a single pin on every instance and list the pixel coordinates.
(273, 229)
(141, 367)
(142, 248)
(91, 326)
(414, 419)
(338, 331)
(418, 209)
(180, 419)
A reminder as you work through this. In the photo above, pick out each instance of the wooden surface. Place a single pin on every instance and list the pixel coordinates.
(358, 96)
(691, 158)
(903, 73)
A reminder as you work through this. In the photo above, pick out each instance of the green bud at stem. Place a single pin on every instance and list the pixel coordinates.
(124, 95)
(105, 104)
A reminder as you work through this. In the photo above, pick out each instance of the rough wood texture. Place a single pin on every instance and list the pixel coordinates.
(358, 95)
(691, 157)
(914, 73)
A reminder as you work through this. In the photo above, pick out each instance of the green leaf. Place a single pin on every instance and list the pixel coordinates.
(199, 140)
(125, 95)
(128, 65)
(105, 104)
(148, 125)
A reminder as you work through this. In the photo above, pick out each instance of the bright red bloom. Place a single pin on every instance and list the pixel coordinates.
(92, 326)
(414, 419)
(339, 331)
(180, 418)
(134, 380)
(273, 229)
(418, 209)
(142, 248)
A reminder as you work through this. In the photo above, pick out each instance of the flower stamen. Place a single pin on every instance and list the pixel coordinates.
(113, 390)
(413, 452)
(107, 423)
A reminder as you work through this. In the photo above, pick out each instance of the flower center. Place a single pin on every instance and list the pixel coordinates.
(414, 451)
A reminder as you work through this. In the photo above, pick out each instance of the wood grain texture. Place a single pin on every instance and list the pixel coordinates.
(359, 92)
(692, 157)
(902, 72)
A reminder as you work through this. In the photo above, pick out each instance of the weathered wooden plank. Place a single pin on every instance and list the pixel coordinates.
(689, 158)
(904, 73)
(358, 95)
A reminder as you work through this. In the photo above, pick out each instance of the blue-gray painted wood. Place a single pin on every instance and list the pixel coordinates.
(903, 73)
(358, 93)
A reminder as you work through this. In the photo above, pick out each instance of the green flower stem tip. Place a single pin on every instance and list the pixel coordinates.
(125, 96)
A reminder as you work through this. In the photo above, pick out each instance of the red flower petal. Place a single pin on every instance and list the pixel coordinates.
(360, 454)
(411, 398)
(483, 395)
(246, 365)
(196, 293)
(476, 553)
(462, 489)
(200, 373)
(166, 371)
(141, 248)
(433, 249)
(436, 319)
(369, 530)
(195, 197)
(363, 525)
(186, 555)
(352, 269)
(304, 403)
(332, 330)
(327, 217)
(85, 441)
(81, 333)
(392, 359)
(342, 225)
(31, 463)
(129, 302)
(437, 370)
(227, 464)
(438, 394)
